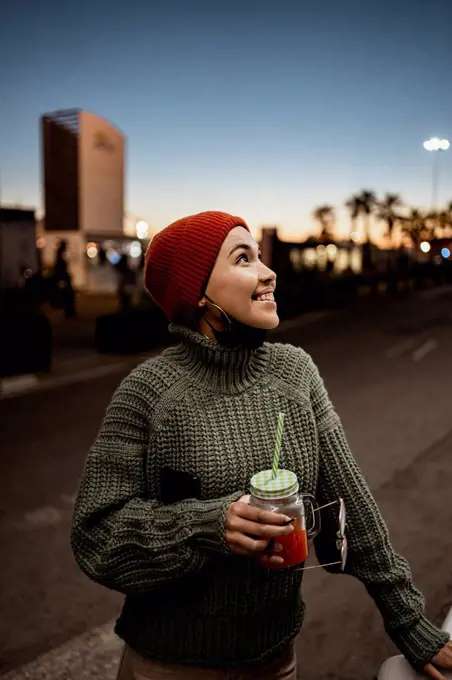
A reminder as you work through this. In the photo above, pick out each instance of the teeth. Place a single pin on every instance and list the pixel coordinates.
(265, 298)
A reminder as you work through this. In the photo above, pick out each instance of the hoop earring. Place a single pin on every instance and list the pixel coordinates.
(221, 312)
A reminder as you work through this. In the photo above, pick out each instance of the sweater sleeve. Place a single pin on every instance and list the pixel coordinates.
(371, 558)
(122, 539)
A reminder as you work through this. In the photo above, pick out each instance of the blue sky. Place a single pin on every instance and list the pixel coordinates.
(263, 109)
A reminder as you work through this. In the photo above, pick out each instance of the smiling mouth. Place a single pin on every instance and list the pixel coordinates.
(268, 297)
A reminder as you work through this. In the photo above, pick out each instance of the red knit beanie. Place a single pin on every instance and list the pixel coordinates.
(180, 259)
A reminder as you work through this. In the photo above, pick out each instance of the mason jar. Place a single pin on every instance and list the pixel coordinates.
(280, 493)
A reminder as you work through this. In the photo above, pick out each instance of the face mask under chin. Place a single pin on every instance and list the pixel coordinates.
(238, 334)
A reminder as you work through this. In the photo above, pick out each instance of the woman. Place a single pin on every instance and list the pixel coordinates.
(162, 513)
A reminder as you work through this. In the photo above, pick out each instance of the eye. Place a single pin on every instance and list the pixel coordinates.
(246, 258)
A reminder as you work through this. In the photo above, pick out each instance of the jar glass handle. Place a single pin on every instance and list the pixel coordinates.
(310, 502)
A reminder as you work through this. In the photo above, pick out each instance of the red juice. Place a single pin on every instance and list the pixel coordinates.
(294, 547)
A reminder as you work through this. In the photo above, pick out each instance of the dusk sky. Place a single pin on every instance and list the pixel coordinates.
(262, 109)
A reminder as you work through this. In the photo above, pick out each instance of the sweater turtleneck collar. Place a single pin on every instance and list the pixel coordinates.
(215, 367)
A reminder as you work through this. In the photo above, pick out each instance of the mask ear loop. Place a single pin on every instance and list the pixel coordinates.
(221, 312)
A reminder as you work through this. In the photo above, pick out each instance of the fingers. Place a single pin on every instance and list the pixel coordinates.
(444, 657)
(240, 543)
(272, 559)
(446, 651)
(432, 672)
(246, 526)
(266, 559)
(248, 512)
(248, 529)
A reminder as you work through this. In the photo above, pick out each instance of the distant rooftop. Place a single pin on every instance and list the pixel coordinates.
(70, 119)
(14, 214)
(67, 117)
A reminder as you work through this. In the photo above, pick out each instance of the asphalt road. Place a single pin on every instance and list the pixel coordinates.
(389, 372)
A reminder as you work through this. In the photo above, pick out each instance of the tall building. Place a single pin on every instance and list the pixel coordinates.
(83, 179)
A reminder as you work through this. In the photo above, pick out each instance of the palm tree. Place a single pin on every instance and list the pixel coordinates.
(325, 215)
(387, 212)
(415, 227)
(439, 222)
(354, 206)
(368, 201)
(443, 222)
(449, 217)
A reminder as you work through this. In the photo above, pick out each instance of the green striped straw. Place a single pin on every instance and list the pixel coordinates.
(279, 433)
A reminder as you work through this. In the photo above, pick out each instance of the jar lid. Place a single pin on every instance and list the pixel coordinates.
(263, 485)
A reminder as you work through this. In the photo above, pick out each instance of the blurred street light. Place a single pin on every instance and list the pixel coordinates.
(331, 251)
(135, 249)
(113, 256)
(425, 246)
(142, 229)
(436, 144)
(91, 250)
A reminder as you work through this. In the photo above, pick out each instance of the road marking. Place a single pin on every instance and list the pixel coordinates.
(425, 349)
(50, 383)
(93, 654)
(47, 516)
(35, 384)
(399, 349)
(9, 387)
(68, 499)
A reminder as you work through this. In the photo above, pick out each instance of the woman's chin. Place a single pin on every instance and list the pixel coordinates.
(273, 324)
(267, 321)
(259, 315)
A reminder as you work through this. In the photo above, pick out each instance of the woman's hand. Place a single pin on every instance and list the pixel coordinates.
(249, 529)
(442, 660)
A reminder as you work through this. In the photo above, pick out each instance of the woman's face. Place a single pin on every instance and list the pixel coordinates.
(241, 284)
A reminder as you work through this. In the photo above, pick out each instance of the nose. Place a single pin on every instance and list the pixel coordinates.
(267, 275)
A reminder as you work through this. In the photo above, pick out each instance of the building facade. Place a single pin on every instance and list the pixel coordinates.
(83, 178)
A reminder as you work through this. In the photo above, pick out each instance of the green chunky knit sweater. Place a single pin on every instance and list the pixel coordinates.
(210, 411)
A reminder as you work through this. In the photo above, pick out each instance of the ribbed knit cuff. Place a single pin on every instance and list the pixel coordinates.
(208, 522)
(420, 642)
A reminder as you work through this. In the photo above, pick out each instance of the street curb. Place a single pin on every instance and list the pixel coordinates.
(10, 386)
(31, 382)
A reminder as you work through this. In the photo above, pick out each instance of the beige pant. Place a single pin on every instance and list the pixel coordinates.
(135, 667)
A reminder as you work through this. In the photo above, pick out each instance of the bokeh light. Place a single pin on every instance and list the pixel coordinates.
(91, 250)
(135, 249)
(142, 229)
